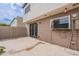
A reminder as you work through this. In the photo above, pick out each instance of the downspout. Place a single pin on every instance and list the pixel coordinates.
(51, 30)
(51, 36)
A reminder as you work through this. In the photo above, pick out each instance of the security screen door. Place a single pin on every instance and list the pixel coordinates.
(33, 29)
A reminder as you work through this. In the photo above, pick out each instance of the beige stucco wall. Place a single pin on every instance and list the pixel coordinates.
(44, 30)
(58, 37)
(61, 38)
(41, 8)
(12, 32)
(77, 24)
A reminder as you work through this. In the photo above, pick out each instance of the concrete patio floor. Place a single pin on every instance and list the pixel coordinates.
(46, 49)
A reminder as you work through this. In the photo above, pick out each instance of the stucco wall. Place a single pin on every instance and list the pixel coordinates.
(12, 32)
(37, 9)
(58, 37)
(44, 30)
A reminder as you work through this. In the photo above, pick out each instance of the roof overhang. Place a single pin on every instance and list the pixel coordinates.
(54, 12)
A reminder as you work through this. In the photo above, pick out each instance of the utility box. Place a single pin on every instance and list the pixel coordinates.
(77, 24)
(75, 17)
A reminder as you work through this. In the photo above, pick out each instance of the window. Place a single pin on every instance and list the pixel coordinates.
(27, 8)
(61, 22)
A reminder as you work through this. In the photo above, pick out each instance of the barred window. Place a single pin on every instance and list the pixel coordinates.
(27, 9)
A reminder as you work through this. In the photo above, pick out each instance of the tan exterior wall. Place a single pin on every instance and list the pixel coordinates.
(44, 30)
(12, 32)
(77, 24)
(62, 37)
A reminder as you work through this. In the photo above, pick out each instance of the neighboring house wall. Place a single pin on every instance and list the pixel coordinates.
(18, 22)
(7, 32)
(37, 9)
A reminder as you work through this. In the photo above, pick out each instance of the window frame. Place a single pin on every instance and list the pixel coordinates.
(51, 22)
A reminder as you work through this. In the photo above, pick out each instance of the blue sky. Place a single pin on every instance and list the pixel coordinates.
(8, 11)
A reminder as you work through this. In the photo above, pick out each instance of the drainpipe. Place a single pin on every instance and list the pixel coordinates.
(51, 31)
(51, 35)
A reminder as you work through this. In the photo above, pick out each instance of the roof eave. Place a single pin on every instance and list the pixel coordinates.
(53, 12)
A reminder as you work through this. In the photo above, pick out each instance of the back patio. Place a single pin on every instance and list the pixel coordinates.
(33, 47)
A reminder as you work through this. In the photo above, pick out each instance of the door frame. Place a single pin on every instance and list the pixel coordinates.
(33, 30)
